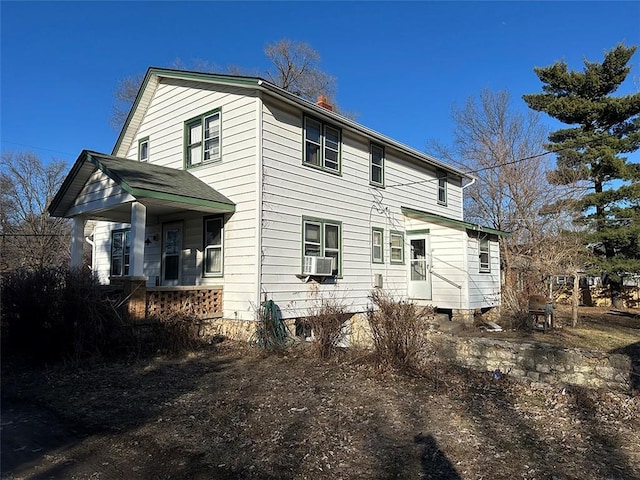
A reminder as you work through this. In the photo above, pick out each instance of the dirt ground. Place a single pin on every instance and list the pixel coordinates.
(229, 411)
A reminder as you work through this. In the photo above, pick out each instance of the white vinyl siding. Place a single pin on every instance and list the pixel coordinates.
(98, 193)
(291, 190)
(174, 103)
(484, 288)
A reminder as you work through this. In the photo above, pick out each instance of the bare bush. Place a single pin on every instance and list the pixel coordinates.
(328, 322)
(177, 331)
(56, 313)
(399, 331)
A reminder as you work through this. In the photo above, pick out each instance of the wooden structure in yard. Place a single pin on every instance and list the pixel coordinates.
(541, 312)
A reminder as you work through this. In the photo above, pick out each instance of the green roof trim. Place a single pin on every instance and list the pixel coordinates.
(146, 180)
(411, 212)
(142, 180)
(155, 73)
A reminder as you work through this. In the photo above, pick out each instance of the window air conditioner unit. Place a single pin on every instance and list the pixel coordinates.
(319, 266)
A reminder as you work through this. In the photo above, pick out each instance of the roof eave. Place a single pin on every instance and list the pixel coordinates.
(452, 221)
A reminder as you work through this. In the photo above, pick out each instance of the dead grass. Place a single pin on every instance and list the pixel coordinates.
(233, 412)
(599, 328)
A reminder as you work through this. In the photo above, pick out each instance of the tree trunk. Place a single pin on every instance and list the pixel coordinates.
(575, 299)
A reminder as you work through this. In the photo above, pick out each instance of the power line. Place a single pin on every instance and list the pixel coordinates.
(503, 164)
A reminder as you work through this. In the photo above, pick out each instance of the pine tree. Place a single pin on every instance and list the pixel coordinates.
(603, 128)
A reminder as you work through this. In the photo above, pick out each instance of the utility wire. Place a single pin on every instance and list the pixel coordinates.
(503, 164)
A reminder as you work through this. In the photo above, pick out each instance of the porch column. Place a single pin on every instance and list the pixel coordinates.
(138, 222)
(77, 242)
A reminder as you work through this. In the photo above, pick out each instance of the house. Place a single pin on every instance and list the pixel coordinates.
(237, 191)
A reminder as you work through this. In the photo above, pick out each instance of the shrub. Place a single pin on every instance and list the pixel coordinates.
(175, 332)
(56, 313)
(515, 309)
(399, 331)
(328, 322)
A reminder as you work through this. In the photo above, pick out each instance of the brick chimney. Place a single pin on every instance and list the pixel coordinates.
(324, 102)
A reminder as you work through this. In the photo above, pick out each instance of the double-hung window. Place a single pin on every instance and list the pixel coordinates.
(143, 149)
(323, 238)
(202, 139)
(213, 245)
(442, 187)
(377, 245)
(377, 165)
(120, 252)
(397, 247)
(484, 254)
(322, 145)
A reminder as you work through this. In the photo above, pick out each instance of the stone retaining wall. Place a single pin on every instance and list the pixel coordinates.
(537, 361)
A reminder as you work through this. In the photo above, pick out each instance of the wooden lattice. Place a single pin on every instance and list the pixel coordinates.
(204, 303)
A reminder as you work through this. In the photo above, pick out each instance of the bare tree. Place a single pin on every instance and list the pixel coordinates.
(125, 94)
(30, 237)
(503, 149)
(295, 68)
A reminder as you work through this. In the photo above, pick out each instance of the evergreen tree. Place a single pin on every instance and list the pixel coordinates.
(603, 128)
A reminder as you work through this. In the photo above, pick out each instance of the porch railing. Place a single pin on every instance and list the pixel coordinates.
(202, 301)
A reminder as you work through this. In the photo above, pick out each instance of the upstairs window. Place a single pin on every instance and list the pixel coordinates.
(213, 239)
(377, 165)
(120, 252)
(323, 238)
(377, 245)
(442, 187)
(322, 145)
(485, 257)
(202, 139)
(143, 149)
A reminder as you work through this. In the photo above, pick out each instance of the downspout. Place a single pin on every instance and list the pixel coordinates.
(259, 179)
(464, 293)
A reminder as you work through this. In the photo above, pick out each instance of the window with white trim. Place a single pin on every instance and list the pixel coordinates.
(377, 245)
(397, 247)
(377, 164)
(213, 246)
(202, 139)
(321, 145)
(323, 238)
(484, 254)
(143, 149)
(442, 187)
(120, 252)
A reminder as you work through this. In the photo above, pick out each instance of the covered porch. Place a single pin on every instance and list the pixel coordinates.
(142, 196)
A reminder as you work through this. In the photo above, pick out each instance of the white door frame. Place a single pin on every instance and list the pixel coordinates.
(419, 265)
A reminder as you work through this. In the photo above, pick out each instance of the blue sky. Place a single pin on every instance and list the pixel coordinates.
(400, 66)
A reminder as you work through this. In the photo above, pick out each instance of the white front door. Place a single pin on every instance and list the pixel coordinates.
(419, 285)
(172, 254)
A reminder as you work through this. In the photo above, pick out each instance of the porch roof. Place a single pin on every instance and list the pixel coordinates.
(144, 182)
(419, 214)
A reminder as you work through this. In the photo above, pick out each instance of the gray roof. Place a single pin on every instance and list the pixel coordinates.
(141, 180)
